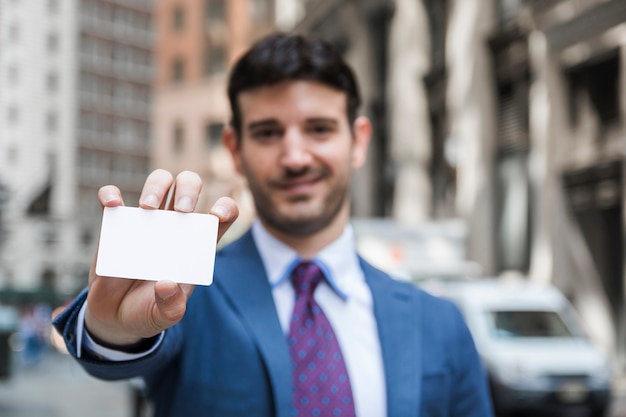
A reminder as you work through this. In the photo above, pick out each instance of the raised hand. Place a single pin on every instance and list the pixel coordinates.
(124, 311)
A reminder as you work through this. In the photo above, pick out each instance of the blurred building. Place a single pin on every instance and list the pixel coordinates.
(510, 114)
(75, 114)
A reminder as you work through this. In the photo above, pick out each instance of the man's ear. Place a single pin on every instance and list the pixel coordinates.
(233, 143)
(362, 129)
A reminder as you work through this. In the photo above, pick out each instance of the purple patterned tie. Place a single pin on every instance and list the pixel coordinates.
(321, 384)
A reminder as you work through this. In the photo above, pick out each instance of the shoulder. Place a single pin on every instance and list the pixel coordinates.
(378, 278)
(435, 313)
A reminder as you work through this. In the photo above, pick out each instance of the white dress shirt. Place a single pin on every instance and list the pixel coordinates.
(346, 300)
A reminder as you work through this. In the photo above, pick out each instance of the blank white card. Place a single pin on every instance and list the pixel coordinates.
(157, 245)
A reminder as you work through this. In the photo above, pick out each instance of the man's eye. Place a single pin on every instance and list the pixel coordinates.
(265, 134)
(320, 129)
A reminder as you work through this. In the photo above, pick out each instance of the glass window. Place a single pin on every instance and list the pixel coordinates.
(86, 237)
(13, 115)
(49, 237)
(214, 60)
(215, 10)
(178, 18)
(179, 139)
(14, 33)
(53, 5)
(12, 155)
(261, 10)
(524, 323)
(13, 74)
(52, 42)
(597, 81)
(52, 82)
(213, 135)
(437, 15)
(178, 70)
(507, 10)
(52, 122)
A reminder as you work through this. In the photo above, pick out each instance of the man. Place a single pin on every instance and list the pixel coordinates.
(296, 323)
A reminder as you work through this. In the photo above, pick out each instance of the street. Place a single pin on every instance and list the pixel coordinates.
(58, 387)
(618, 406)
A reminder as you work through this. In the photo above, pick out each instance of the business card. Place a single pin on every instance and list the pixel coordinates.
(157, 245)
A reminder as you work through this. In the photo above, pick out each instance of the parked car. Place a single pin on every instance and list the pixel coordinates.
(535, 351)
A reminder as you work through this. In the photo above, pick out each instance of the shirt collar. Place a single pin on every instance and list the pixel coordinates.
(338, 260)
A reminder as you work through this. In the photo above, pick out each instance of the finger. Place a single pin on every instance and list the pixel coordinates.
(171, 300)
(168, 203)
(227, 211)
(188, 187)
(155, 189)
(187, 289)
(110, 196)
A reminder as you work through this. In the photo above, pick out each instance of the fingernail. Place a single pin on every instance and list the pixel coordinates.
(108, 198)
(220, 210)
(184, 204)
(168, 294)
(150, 200)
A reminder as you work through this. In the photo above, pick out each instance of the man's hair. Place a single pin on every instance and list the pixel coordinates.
(288, 57)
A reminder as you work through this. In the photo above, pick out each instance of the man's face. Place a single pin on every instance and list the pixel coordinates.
(297, 151)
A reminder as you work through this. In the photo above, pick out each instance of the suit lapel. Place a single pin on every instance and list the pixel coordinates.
(398, 316)
(243, 280)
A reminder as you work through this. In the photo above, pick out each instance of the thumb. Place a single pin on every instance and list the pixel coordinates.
(171, 300)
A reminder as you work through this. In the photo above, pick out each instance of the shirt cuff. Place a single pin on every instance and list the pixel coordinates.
(83, 340)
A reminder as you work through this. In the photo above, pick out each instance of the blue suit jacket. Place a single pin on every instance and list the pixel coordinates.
(228, 357)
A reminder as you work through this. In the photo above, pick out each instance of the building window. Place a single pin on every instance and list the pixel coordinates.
(507, 10)
(53, 6)
(12, 155)
(179, 139)
(52, 82)
(260, 11)
(215, 10)
(52, 42)
(48, 278)
(214, 60)
(13, 115)
(513, 116)
(178, 18)
(213, 135)
(595, 85)
(86, 237)
(437, 16)
(13, 75)
(49, 237)
(178, 70)
(52, 122)
(512, 178)
(14, 33)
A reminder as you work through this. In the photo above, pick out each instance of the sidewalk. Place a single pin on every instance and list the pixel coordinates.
(618, 403)
(59, 387)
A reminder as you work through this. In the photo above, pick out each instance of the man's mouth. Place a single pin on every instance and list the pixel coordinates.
(300, 184)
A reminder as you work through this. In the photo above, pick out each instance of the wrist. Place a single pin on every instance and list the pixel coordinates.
(138, 346)
(106, 335)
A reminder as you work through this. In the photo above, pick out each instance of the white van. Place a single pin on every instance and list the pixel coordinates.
(534, 349)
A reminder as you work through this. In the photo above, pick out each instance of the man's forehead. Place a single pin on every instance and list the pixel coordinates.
(300, 99)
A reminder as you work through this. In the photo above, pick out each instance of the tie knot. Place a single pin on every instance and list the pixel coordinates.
(305, 277)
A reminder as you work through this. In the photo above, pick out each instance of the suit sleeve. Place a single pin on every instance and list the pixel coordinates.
(101, 368)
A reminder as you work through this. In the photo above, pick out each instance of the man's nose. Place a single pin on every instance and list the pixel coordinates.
(296, 150)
